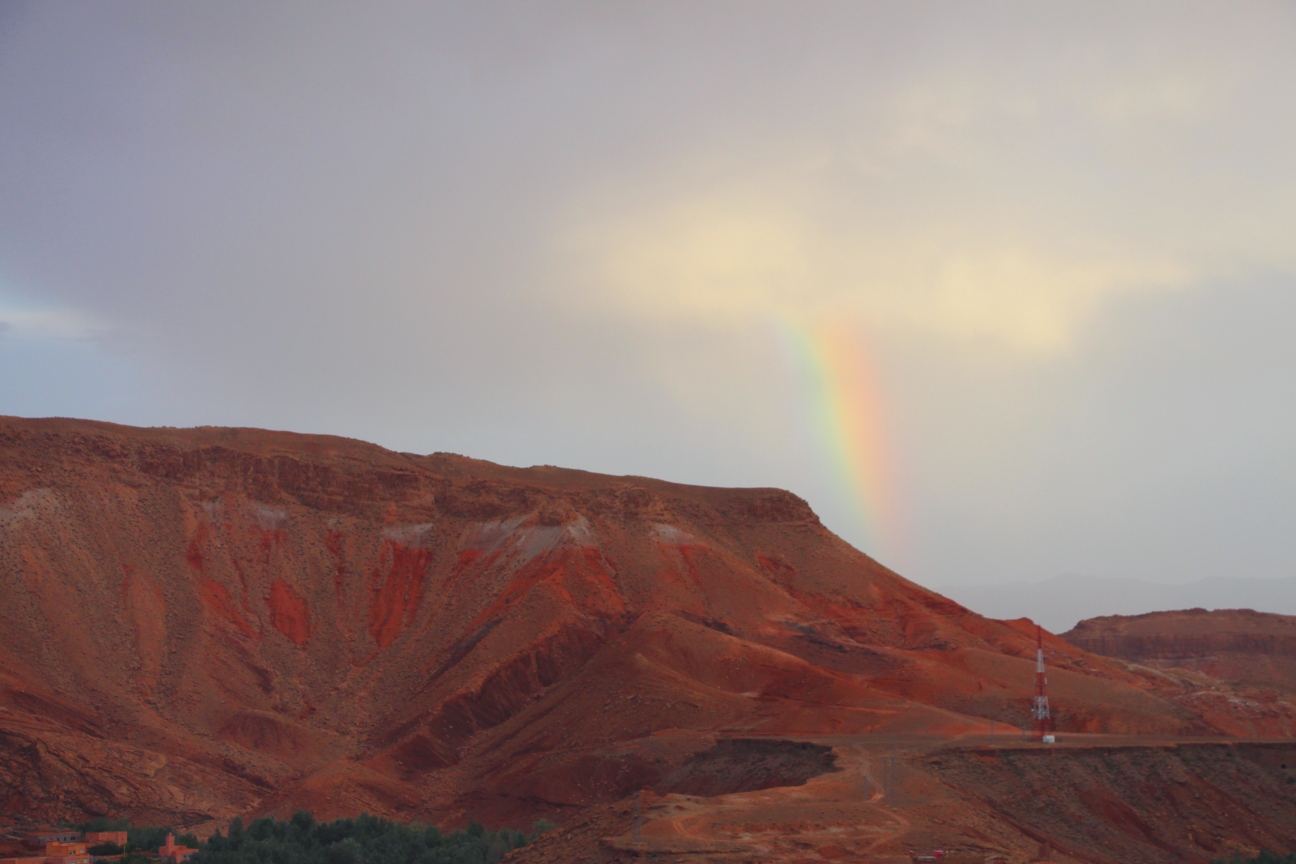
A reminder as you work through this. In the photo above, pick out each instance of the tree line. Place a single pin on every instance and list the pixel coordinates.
(1265, 857)
(301, 840)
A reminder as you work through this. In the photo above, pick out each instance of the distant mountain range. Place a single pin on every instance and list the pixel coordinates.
(1060, 602)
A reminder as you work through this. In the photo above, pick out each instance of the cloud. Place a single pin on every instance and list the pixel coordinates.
(737, 257)
(53, 323)
(1008, 205)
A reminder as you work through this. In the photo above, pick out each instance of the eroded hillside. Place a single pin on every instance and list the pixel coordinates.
(210, 622)
(1249, 654)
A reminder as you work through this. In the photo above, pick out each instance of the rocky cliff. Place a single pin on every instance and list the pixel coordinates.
(203, 623)
(1188, 634)
(1232, 648)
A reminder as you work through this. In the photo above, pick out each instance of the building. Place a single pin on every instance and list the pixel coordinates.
(95, 838)
(171, 852)
(40, 838)
(56, 852)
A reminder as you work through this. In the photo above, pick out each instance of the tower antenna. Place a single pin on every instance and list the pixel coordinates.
(1040, 710)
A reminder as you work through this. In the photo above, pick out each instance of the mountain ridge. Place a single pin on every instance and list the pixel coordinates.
(212, 622)
(1060, 602)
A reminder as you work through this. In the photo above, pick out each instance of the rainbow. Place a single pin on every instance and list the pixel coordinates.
(845, 412)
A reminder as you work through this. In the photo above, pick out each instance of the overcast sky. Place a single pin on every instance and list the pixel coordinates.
(1056, 243)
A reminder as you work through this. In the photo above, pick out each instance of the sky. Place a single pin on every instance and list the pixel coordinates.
(1004, 290)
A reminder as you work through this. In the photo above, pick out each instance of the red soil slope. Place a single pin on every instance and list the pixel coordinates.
(1087, 802)
(210, 622)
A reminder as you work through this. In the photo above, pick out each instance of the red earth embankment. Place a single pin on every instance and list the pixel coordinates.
(209, 622)
(1085, 801)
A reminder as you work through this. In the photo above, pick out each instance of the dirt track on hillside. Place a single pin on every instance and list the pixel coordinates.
(1093, 799)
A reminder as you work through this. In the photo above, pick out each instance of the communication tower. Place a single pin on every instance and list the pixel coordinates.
(1040, 710)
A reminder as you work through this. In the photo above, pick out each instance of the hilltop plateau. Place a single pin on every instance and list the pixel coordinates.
(204, 623)
(1240, 649)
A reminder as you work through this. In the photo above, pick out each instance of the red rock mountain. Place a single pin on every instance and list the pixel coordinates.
(203, 623)
(1227, 647)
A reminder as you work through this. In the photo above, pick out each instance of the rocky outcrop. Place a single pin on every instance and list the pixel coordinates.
(1187, 634)
(1228, 657)
(208, 622)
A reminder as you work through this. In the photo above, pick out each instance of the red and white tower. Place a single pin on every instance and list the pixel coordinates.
(1040, 710)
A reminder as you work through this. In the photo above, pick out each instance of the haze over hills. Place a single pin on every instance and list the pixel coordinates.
(1059, 603)
(204, 623)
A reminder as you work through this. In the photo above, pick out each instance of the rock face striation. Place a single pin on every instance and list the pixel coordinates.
(204, 623)
(1231, 647)
(1187, 635)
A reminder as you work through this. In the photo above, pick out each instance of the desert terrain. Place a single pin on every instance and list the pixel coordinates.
(207, 623)
(1240, 649)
